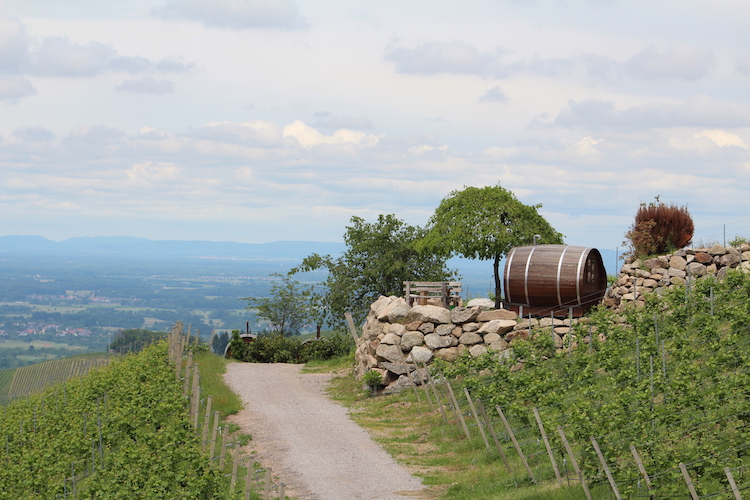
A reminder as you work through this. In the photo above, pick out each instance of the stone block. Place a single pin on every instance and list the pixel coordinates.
(496, 314)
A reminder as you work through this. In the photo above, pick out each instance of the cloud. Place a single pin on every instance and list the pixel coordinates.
(700, 111)
(308, 137)
(743, 63)
(150, 172)
(249, 133)
(14, 46)
(432, 58)
(13, 89)
(495, 94)
(653, 63)
(147, 86)
(722, 139)
(33, 134)
(234, 14)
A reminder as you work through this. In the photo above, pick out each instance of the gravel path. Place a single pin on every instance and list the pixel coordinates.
(309, 441)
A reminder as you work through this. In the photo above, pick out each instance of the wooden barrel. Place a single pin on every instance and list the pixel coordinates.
(554, 279)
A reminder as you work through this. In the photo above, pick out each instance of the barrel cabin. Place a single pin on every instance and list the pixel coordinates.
(559, 280)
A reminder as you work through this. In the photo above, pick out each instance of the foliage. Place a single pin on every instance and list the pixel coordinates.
(220, 342)
(134, 339)
(372, 379)
(737, 241)
(659, 228)
(380, 256)
(672, 381)
(123, 430)
(276, 348)
(287, 309)
(485, 223)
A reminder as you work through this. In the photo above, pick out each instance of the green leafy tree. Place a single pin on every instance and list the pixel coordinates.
(287, 309)
(485, 223)
(379, 257)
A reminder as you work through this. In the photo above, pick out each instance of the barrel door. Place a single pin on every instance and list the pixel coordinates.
(554, 277)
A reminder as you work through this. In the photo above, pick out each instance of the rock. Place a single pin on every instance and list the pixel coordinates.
(470, 327)
(496, 314)
(460, 315)
(449, 354)
(652, 263)
(499, 326)
(397, 329)
(703, 258)
(426, 328)
(457, 331)
(444, 329)
(397, 368)
(547, 322)
(745, 256)
(696, 269)
(482, 303)
(676, 280)
(470, 338)
(517, 335)
(526, 324)
(391, 339)
(432, 314)
(477, 350)
(413, 326)
(401, 384)
(562, 330)
(717, 250)
(649, 283)
(500, 345)
(411, 339)
(435, 341)
(674, 272)
(711, 269)
(730, 260)
(397, 311)
(390, 353)
(491, 337)
(420, 355)
(377, 306)
(677, 263)
(372, 328)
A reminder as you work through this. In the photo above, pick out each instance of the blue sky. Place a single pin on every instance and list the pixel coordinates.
(267, 120)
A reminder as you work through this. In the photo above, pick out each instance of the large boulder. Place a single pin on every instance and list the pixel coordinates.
(435, 341)
(431, 314)
(496, 314)
(470, 338)
(397, 311)
(481, 303)
(420, 355)
(390, 353)
(377, 306)
(411, 339)
(460, 315)
(499, 326)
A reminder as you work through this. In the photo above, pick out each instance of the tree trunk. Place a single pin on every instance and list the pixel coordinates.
(498, 294)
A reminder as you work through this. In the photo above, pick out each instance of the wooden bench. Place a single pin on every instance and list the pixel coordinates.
(448, 291)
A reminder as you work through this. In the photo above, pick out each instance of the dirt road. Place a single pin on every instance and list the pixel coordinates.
(309, 441)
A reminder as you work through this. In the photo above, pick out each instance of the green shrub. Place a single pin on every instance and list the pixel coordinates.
(276, 348)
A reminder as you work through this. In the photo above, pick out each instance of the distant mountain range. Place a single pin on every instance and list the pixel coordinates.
(123, 246)
(142, 248)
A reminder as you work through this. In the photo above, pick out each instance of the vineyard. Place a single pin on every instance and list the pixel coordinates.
(130, 429)
(653, 407)
(34, 378)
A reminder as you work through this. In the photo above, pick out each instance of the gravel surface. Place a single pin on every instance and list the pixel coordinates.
(309, 441)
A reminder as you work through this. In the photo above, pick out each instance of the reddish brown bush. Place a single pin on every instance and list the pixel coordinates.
(660, 228)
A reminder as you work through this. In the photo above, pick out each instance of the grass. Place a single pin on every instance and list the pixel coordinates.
(14, 344)
(450, 465)
(212, 370)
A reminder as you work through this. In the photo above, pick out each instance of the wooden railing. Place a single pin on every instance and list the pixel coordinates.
(448, 291)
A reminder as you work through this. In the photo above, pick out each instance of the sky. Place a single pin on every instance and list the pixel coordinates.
(271, 120)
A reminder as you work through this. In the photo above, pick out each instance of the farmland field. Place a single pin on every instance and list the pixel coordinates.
(34, 378)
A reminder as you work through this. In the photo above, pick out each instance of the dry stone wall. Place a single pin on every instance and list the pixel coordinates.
(640, 277)
(398, 338)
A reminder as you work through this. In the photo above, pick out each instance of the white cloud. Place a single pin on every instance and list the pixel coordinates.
(149, 172)
(722, 139)
(308, 137)
(13, 46)
(234, 14)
